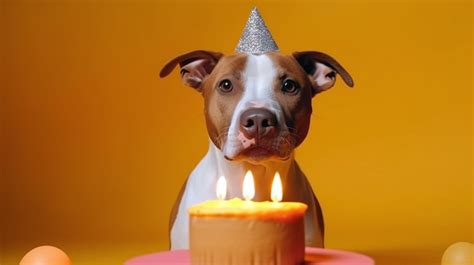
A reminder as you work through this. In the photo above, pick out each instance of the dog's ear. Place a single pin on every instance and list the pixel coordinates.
(322, 70)
(195, 66)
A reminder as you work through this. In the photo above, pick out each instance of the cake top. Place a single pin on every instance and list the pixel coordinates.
(249, 210)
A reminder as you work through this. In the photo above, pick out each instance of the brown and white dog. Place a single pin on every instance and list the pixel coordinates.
(257, 110)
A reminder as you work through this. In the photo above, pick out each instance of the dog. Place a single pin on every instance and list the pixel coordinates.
(257, 110)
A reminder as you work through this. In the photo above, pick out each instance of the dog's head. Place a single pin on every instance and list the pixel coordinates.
(258, 106)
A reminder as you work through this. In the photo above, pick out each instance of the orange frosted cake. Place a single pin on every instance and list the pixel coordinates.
(245, 232)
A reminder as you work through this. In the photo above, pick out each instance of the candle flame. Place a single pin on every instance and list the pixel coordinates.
(249, 187)
(277, 189)
(221, 188)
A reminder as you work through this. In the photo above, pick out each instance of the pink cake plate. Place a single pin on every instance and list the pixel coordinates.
(313, 256)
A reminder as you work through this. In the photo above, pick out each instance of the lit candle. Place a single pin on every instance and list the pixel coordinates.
(221, 188)
(248, 189)
(277, 189)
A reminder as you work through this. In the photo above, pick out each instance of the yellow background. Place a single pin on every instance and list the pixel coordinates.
(95, 146)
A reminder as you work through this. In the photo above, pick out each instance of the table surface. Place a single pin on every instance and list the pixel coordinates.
(313, 256)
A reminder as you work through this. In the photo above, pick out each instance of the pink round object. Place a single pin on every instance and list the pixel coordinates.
(313, 256)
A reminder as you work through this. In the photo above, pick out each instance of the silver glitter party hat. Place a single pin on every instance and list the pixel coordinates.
(256, 39)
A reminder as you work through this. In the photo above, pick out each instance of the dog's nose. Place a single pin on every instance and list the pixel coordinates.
(258, 123)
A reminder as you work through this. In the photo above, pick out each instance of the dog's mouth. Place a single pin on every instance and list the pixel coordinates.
(275, 149)
(259, 153)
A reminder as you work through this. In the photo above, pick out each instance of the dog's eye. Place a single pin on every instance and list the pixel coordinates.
(289, 86)
(225, 86)
(331, 75)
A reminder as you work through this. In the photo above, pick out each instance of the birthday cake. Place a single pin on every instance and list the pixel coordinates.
(245, 232)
